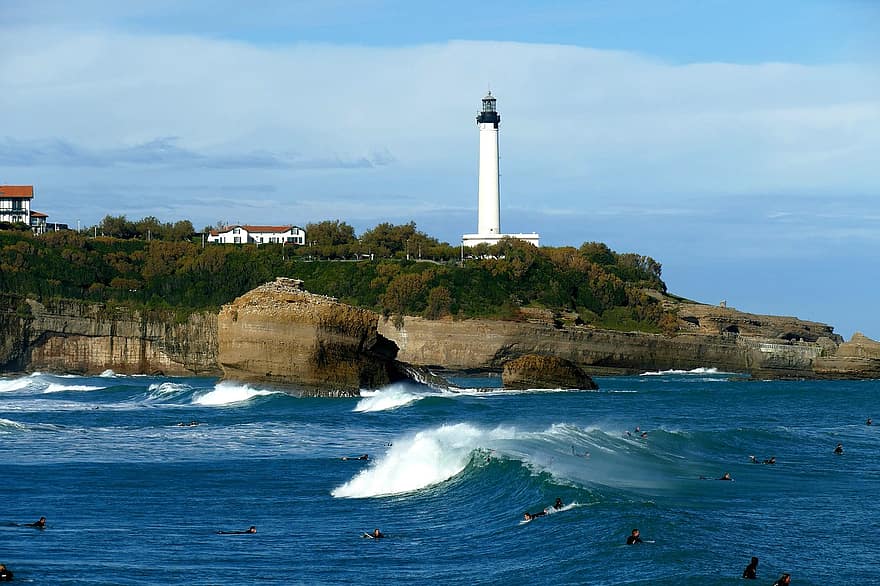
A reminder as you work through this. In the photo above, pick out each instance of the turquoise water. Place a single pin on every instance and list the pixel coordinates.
(131, 497)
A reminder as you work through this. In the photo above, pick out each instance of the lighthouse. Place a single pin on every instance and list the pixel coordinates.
(488, 184)
(489, 194)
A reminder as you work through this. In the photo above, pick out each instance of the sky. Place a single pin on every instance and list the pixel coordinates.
(736, 142)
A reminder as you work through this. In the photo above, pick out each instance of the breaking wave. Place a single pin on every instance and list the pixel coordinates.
(700, 370)
(228, 393)
(386, 399)
(60, 388)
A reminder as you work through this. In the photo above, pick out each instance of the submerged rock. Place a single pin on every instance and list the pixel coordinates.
(545, 372)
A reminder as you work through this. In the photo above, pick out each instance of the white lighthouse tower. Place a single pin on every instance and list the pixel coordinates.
(489, 196)
(488, 191)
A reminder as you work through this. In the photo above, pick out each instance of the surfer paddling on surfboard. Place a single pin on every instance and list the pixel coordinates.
(376, 534)
(251, 529)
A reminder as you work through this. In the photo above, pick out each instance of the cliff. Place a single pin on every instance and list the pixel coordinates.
(772, 347)
(81, 338)
(279, 334)
(311, 344)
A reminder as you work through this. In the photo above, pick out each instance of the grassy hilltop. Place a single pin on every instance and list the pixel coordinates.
(590, 284)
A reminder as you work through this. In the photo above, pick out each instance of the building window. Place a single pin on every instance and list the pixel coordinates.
(236, 230)
(237, 240)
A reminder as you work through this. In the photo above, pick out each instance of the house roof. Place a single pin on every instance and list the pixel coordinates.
(266, 228)
(251, 228)
(35, 214)
(26, 191)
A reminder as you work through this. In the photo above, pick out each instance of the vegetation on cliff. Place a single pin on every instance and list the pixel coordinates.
(592, 283)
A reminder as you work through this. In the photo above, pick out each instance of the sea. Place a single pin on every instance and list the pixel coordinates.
(136, 475)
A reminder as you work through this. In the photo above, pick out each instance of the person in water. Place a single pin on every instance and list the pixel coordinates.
(558, 504)
(251, 529)
(41, 524)
(770, 460)
(784, 580)
(376, 534)
(751, 571)
(5, 574)
(869, 421)
(361, 457)
(725, 476)
(634, 538)
(529, 516)
(839, 449)
(753, 460)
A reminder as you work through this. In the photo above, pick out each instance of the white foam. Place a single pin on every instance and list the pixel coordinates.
(107, 374)
(60, 388)
(386, 399)
(161, 390)
(700, 370)
(14, 384)
(427, 458)
(226, 393)
(9, 424)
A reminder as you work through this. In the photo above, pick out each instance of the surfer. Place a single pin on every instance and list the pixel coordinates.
(839, 449)
(361, 457)
(5, 574)
(634, 538)
(644, 435)
(558, 504)
(251, 529)
(770, 460)
(190, 424)
(725, 476)
(529, 516)
(753, 460)
(751, 571)
(869, 421)
(376, 534)
(41, 524)
(784, 580)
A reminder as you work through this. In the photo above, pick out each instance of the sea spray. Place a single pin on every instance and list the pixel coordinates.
(391, 397)
(61, 388)
(226, 393)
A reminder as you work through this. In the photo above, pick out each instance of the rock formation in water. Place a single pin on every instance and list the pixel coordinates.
(282, 335)
(544, 372)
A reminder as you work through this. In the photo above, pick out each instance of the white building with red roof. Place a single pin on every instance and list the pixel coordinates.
(249, 234)
(15, 203)
(15, 207)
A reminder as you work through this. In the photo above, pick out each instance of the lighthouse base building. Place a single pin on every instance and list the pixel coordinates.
(489, 194)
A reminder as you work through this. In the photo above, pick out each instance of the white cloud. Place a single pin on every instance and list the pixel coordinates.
(578, 125)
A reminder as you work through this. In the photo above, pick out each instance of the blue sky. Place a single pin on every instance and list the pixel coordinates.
(735, 142)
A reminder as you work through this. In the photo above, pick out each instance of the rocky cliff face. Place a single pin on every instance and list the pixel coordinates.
(282, 335)
(68, 336)
(768, 353)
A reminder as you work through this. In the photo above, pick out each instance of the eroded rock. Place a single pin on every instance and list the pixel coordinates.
(545, 372)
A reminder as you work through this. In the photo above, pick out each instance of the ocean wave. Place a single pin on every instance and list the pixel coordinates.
(166, 390)
(227, 393)
(700, 370)
(386, 399)
(416, 462)
(10, 425)
(15, 384)
(107, 374)
(60, 388)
